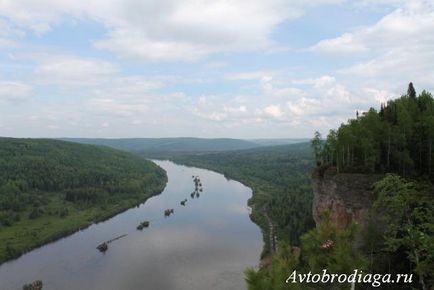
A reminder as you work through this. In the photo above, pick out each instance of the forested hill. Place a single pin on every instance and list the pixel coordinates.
(279, 141)
(183, 144)
(49, 188)
(396, 138)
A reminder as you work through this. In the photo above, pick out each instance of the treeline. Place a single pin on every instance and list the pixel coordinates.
(398, 138)
(279, 177)
(37, 173)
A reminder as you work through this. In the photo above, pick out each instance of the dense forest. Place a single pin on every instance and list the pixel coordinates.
(279, 177)
(396, 141)
(49, 188)
(398, 138)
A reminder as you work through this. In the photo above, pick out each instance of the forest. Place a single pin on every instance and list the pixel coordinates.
(396, 142)
(49, 188)
(397, 138)
(279, 177)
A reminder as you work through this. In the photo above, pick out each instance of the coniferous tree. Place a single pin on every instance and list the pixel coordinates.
(411, 92)
(317, 147)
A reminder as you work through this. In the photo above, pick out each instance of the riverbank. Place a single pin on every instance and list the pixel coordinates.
(29, 234)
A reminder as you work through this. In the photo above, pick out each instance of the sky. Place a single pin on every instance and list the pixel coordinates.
(221, 68)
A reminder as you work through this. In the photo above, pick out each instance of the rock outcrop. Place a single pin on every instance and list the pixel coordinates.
(348, 197)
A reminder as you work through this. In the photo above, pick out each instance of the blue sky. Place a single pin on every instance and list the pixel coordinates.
(239, 68)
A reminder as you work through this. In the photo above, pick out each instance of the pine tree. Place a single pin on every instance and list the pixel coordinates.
(411, 92)
(316, 144)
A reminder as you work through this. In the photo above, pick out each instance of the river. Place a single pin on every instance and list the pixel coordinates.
(205, 245)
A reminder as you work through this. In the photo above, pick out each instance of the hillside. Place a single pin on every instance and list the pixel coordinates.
(279, 141)
(279, 177)
(184, 144)
(49, 188)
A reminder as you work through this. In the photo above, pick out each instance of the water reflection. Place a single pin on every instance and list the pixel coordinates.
(205, 245)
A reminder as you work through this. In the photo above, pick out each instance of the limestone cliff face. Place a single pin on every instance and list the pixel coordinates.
(349, 197)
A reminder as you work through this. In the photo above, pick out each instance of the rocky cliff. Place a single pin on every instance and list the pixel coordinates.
(349, 197)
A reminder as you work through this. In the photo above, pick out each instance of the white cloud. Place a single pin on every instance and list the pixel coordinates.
(216, 65)
(378, 4)
(378, 95)
(305, 106)
(40, 15)
(322, 101)
(14, 91)
(341, 44)
(132, 97)
(214, 108)
(328, 88)
(279, 96)
(72, 70)
(250, 75)
(274, 111)
(136, 46)
(7, 43)
(191, 29)
(169, 30)
(9, 35)
(117, 107)
(398, 48)
(240, 109)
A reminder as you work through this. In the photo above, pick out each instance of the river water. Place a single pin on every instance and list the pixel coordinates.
(205, 245)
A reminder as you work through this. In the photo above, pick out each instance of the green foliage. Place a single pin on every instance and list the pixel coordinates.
(42, 180)
(36, 212)
(408, 212)
(399, 138)
(331, 248)
(8, 218)
(10, 251)
(274, 276)
(317, 147)
(339, 257)
(411, 92)
(80, 173)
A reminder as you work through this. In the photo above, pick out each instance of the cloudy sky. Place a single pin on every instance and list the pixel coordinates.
(221, 68)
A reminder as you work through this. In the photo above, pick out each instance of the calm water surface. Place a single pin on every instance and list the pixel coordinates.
(205, 245)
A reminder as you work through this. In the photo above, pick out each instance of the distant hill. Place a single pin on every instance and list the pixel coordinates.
(183, 144)
(278, 141)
